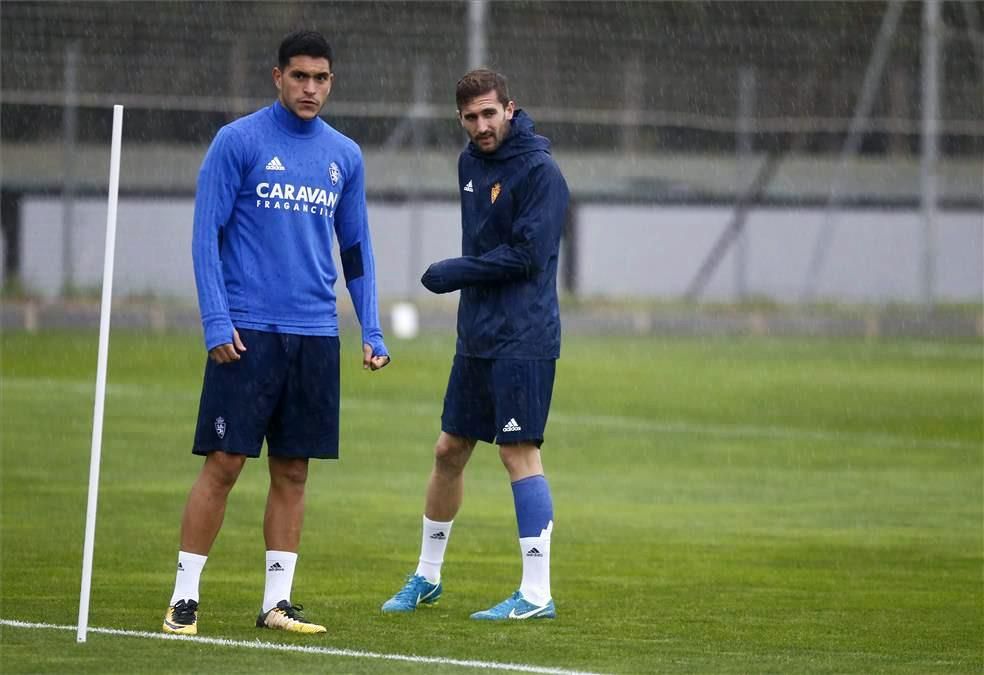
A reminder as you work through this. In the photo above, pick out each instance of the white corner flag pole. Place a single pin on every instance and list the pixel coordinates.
(97, 415)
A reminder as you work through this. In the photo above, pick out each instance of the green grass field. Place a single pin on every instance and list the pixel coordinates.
(730, 505)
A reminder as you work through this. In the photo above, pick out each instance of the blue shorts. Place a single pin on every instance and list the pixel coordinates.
(498, 400)
(283, 388)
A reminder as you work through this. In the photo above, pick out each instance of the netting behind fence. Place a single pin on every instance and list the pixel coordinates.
(650, 76)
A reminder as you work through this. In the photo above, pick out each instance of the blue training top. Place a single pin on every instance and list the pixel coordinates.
(271, 191)
(513, 209)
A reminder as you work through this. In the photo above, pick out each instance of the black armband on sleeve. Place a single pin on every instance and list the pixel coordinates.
(352, 262)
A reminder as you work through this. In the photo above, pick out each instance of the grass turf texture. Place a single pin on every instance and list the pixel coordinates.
(722, 506)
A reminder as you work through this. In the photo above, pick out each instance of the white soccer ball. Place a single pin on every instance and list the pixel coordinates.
(405, 320)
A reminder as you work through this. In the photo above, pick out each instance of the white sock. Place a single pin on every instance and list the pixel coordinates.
(190, 567)
(433, 543)
(279, 577)
(536, 567)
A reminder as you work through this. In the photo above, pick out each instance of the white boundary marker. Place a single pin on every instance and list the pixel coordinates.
(97, 413)
(323, 651)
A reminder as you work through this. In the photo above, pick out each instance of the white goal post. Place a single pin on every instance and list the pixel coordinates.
(97, 415)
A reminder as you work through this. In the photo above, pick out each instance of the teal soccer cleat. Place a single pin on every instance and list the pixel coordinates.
(417, 591)
(517, 607)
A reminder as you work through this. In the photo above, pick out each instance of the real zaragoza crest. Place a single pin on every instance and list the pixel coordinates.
(220, 427)
(496, 189)
(334, 173)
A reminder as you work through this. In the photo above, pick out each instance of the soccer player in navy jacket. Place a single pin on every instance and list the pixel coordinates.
(275, 189)
(513, 208)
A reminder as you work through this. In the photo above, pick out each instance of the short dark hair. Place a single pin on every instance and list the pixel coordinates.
(303, 43)
(481, 81)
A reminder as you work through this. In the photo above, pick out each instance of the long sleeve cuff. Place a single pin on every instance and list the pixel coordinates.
(218, 331)
(375, 340)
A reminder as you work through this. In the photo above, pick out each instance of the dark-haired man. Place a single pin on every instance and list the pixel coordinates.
(274, 190)
(513, 207)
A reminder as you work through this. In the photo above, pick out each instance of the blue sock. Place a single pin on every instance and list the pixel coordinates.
(534, 506)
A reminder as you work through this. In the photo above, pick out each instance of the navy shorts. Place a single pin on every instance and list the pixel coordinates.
(498, 400)
(283, 388)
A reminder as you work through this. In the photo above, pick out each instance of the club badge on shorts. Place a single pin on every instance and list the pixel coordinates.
(220, 427)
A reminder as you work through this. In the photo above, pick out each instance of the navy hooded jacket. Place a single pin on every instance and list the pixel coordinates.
(513, 209)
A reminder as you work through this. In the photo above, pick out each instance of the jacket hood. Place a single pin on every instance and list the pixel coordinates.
(521, 139)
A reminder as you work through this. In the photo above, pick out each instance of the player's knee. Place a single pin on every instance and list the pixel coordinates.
(289, 473)
(451, 453)
(223, 468)
(521, 458)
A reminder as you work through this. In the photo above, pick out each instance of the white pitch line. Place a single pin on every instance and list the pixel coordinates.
(323, 651)
(617, 422)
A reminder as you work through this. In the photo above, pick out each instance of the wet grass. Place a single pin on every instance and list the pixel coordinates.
(722, 506)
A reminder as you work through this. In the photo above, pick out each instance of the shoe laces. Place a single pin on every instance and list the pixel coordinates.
(509, 602)
(292, 611)
(184, 611)
(411, 588)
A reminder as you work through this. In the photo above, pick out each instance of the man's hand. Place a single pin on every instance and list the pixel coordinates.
(371, 362)
(228, 352)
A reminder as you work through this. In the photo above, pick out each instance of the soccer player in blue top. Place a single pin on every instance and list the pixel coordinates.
(275, 188)
(513, 208)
